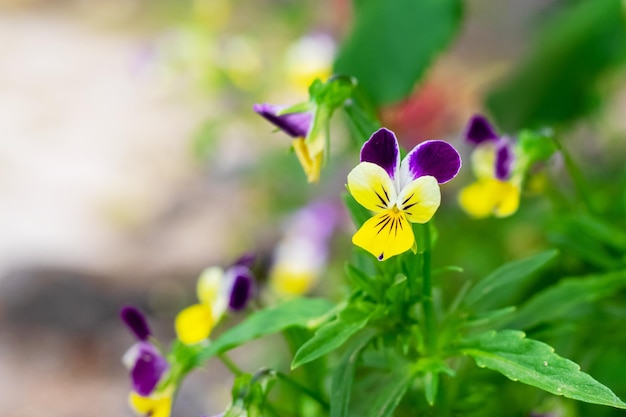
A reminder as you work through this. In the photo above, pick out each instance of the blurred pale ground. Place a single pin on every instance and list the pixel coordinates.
(102, 203)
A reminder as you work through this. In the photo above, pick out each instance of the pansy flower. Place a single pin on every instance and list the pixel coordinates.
(147, 368)
(308, 123)
(218, 290)
(301, 255)
(308, 150)
(498, 170)
(398, 192)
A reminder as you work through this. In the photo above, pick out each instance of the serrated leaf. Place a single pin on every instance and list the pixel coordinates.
(506, 276)
(566, 296)
(332, 335)
(343, 374)
(393, 42)
(295, 312)
(385, 401)
(535, 363)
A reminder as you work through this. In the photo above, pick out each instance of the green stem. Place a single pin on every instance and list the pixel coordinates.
(310, 393)
(232, 367)
(576, 176)
(427, 294)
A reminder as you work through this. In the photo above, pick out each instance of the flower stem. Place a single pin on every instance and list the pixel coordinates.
(232, 367)
(427, 294)
(310, 393)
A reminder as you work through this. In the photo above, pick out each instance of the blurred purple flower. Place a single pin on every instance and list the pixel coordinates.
(146, 364)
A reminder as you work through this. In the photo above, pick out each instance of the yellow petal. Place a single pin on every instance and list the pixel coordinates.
(310, 160)
(372, 187)
(484, 160)
(490, 197)
(209, 285)
(385, 235)
(194, 324)
(159, 405)
(509, 199)
(289, 281)
(420, 199)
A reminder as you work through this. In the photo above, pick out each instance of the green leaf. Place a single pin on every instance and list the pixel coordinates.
(296, 312)
(385, 401)
(393, 42)
(565, 297)
(535, 363)
(558, 80)
(536, 146)
(343, 375)
(370, 285)
(504, 277)
(358, 213)
(332, 335)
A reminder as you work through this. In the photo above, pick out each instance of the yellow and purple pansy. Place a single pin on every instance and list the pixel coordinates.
(309, 150)
(147, 368)
(398, 192)
(218, 290)
(301, 255)
(497, 188)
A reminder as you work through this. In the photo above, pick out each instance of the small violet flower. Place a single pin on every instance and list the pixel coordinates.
(308, 123)
(398, 193)
(308, 150)
(301, 255)
(218, 290)
(147, 368)
(498, 170)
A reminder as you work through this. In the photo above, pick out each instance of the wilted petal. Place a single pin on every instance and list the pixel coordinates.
(294, 124)
(385, 235)
(420, 199)
(310, 160)
(241, 288)
(504, 159)
(148, 369)
(382, 149)
(371, 187)
(436, 158)
(136, 322)
(194, 324)
(479, 130)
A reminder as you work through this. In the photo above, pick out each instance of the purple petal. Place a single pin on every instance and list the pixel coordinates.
(136, 322)
(382, 149)
(433, 157)
(148, 370)
(504, 159)
(295, 125)
(241, 289)
(247, 260)
(479, 130)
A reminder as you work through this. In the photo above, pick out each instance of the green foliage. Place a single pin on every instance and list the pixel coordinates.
(535, 363)
(569, 294)
(332, 335)
(301, 312)
(392, 43)
(385, 401)
(343, 374)
(488, 290)
(558, 80)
